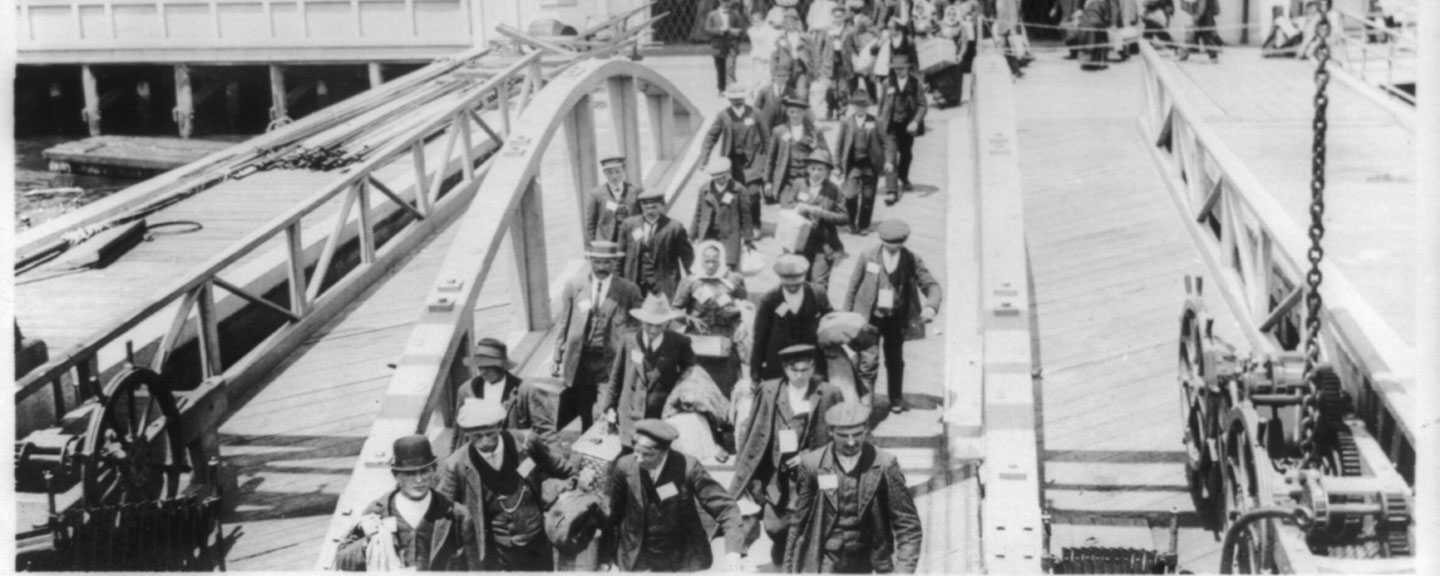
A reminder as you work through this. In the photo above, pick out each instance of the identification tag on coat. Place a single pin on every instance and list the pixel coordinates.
(727, 198)
(835, 43)
(872, 268)
(666, 491)
(869, 124)
(886, 298)
(638, 234)
(806, 196)
(723, 300)
(526, 467)
(748, 507)
(801, 408)
(749, 121)
(389, 524)
(584, 305)
(704, 293)
(828, 481)
(637, 356)
(612, 205)
(789, 441)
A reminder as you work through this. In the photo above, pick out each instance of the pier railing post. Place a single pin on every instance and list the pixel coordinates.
(184, 112)
(532, 275)
(625, 121)
(580, 141)
(91, 112)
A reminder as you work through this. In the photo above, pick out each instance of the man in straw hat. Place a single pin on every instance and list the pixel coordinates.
(594, 313)
(496, 476)
(853, 513)
(427, 529)
(902, 112)
(862, 154)
(647, 366)
(886, 289)
(742, 137)
(527, 406)
(818, 200)
(787, 418)
(656, 495)
(785, 316)
(611, 202)
(656, 248)
(723, 212)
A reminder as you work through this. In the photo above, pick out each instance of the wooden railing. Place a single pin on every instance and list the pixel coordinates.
(1257, 256)
(419, 397)
(1379, 56)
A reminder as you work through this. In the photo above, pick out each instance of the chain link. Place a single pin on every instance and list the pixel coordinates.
(1313, 277)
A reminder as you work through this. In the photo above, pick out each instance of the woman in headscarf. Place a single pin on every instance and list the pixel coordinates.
(710, 298)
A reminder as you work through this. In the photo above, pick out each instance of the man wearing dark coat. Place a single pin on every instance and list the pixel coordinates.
(786, 419)
(902, 112)
(594, 314)
(429, 531)
(656, 248)
(742, 137)
(656, 495)
(790, 145)
(1202, 27)
(886, 288)
(784, 317)
(853, 513)
(723, 25)
(647, 367)
(818, 200)
(862, 154)
(610, 203)
(527, 406)
(723, 212)
(496, 475)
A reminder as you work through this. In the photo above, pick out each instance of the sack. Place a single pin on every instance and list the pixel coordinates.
(710, 346)
(380, 555)
(936, 53)
(792, 231)
(752, 262)
(1129, 34)
(838, 328)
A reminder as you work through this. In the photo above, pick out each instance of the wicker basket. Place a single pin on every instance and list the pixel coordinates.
(599, 448)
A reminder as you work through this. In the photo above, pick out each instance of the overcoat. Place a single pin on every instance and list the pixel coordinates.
(887, 509)
(460, 480)
(760, 439)
(724, 213)
(620, 542)
(913, 92)
(782, 145)
(673, 251)
(612, 317)
(828, 210)
(869, 277)
(863, 131)
(774, 333)
(745, 134)
(603, 214)
(452, 540)
(641, 381)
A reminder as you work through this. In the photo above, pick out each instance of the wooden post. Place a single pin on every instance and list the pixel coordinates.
(209, 332)
(662, 125)
(91, 112)
(527, 238)
(278, 102)
(580, 140)
(299, 304)
(377, 74)
(184, 114)
(1427, 274)
(625, 116)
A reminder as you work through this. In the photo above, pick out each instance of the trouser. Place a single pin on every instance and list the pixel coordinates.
(724, 69)
(861, 206)
(820, 266)
(578, 400)
(753, 190)
(892, 344)
(840, 562)
(532, 557)
(1156, 31)
(905, 146)
(1202, 36)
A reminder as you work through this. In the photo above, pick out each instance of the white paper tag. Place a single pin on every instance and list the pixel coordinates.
(828, 481)
(584, 305)
(526, 467)
(704, 294)
(886, 298)
(389, 524)
(872, 268)
(612, 205)
(869, 124)
(638, 234)
(786, 137)
(789, 441)
(805, 196)
(800, 408)
(749, 121)
(724, 300)
(748, 507)
(637, 356)
(835, 43)
(727, 198)
(666, 491)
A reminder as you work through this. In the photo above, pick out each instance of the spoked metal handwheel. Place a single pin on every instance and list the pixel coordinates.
(1246, 481)
(1198, 406)
(133, 449)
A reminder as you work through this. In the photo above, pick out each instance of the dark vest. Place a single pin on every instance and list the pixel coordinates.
(847, 535)
(648, 262)
(413, 542)
(512, 508)
(664, 533)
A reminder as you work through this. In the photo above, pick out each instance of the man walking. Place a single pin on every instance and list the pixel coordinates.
(742, 137)
(790, 146)
(1202, 27)
(647, 367)
(594, 314)
(656, 248)
(818, 200)
(656, 495)
(785, 316)
(426, 530)
(863, 153)
(853, 513)
(724, 28)
(902, 110)
(723, 213)
(610, 203)
(526, 406)
(786, 419)
(886, 288)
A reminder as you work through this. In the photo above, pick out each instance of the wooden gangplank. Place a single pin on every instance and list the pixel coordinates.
(1107, 255)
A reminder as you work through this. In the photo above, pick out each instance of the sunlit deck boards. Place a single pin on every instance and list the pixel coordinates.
(1108, 254)
(1262, 109)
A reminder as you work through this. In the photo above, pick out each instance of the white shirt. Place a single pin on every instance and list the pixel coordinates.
(797, 398)
(598, 289)
(901, 82)
(652, 345)
(890, 260)
(413, 511)
(815, 189)
(495, 459)
(793, 301)
(656, 472)
(847, 463)
(648, 227)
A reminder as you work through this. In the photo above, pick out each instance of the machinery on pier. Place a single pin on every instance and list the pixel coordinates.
(114, 487)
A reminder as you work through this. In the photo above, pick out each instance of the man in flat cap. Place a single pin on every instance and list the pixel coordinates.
(428, 530)
(656, 247)
(610, 203)
(862, 154)
(496, 475)
(647, 367)
(723, 212)
(790, 145)
(818, 200)
(656, 495)
(902, 112)
(594, 313)
(786, 419)
(724, 26)
(886, 288)
(742, 136)
(853, 513)
(785, 316)
(527, 405)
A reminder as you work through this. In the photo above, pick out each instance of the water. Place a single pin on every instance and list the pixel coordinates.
(32, 174)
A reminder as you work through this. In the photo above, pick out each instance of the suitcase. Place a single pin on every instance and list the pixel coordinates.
(946, 83)
(935, 53)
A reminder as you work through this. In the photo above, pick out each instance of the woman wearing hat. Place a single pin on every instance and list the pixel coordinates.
(426, 530)
(647, 367)
(710, 298)
(526, 405)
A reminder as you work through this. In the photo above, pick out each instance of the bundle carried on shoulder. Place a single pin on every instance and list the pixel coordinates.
(848, 328)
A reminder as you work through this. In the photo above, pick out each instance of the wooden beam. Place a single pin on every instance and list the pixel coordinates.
(210, 361)
(467, 166)
(332, 243)
(88, 83)
(527, 241)
(625, 122)
(580, 142)
(177, 325)
(377, 74)
(485, 126)
(662, 125)
(1282, 309)
(184, 114)
(252, 298)
(279, 103)
(296, 246)
(1210, 200)
(393, 196)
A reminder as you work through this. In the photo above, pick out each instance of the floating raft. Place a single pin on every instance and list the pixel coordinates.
(140, 156)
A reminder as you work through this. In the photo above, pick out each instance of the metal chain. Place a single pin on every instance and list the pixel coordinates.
(1313, 277)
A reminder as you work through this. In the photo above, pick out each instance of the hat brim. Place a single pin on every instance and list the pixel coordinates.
(649, 318)
(490, 362)
(813, 161)
(394, 468)
(604, 255)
